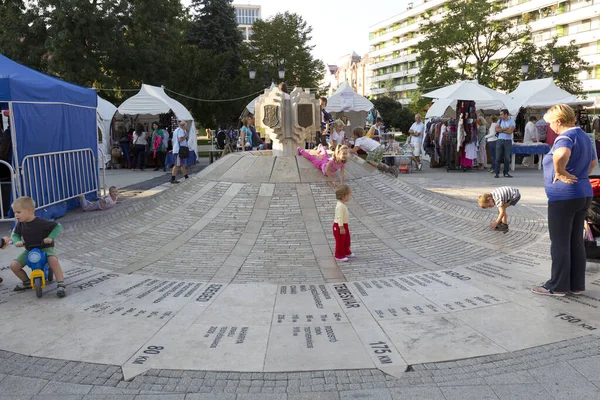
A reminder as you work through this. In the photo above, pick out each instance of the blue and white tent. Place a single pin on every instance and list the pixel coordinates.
(48, 115)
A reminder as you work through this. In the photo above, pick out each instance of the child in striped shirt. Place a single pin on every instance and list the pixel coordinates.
(502, 197)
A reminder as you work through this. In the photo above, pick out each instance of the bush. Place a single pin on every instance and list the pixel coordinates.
(393, 114)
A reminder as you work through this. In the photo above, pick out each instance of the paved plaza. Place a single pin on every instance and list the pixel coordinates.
(225, 287)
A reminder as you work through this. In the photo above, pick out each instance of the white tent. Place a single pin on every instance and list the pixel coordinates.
(473, 91)
(152, 100)
(543, 94)
(446, 107)
(104, 115)
(346, 99)
(252, 104)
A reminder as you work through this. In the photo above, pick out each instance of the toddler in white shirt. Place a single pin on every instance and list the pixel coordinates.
(101, 204)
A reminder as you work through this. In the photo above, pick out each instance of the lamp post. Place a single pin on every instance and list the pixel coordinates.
(540, 70)
(267, 75)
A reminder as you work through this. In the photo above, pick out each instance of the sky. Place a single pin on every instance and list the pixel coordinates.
(339, 26)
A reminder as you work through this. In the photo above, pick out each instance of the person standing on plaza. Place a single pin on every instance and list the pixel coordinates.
(246, 135)
(492, 138)
(529, 137)
(159, 146)
(379, 126)
(326, 120)
(482, 152)
(416, 132)
(140, 141)
(341, 231)
(258, 143)
(505, 130)
(566, 180)
(181, 151)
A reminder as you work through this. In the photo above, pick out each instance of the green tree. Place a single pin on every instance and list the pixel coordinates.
(81, 38)
(284, 37)
(148, 45)
(388, 86)
(419, 104)
(468, 36)
(540, 61)
(393, 113)
(212, 65)
(22, 34)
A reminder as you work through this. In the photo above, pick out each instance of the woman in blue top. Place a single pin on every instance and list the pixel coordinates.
(566, 179)
(246, 135)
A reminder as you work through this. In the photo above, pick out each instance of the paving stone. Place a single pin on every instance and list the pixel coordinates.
(65, 388)
(314, 396)
(275, 396)
(468, 393)
(202, 396)
(13, 385)
(412, 393)
(377, 394)
(523, 391)
(588, 367)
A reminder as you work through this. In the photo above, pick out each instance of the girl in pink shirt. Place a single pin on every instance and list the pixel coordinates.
(329, 166)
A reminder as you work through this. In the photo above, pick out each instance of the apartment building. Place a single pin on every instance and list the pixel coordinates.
(246, 15)
(394, 56)
(353, 69)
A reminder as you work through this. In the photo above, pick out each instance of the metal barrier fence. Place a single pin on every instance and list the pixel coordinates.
(52, 178)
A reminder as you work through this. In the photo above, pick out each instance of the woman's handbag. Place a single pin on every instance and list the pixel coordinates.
(184, 152)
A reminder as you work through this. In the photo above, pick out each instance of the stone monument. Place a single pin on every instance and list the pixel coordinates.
(288, 120)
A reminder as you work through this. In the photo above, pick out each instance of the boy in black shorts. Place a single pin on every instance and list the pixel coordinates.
(502, 197)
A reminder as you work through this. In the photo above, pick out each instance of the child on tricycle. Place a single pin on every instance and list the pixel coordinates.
(34, 232)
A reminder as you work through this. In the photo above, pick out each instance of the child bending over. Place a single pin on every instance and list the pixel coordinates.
(329, 166)
(373, 149)
(32, 232)
(502, 197)
(101, 204)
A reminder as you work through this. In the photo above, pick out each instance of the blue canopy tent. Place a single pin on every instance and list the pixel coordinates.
(53, 123)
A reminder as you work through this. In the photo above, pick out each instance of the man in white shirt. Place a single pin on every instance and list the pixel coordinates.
(416, 132)
(529, 137)
(180, 137)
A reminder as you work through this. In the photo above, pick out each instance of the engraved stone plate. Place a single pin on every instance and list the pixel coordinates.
(315, 347)
(216, 347)
(450, 290)
(382, 351)
(514, 327)
(44, 324)
(247, 304)
(104, 340)
(437, 338)
(389, 298)
(271, 118)
(305, 115)
(307, 304)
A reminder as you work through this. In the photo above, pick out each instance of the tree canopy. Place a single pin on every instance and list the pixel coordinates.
(469, 43)
(284, 37)
(469, 37)
(120, 44)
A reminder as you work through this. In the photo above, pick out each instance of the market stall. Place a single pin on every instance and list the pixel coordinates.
(104, 114)
(458, 146)
(150, 103)
(345, 102)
